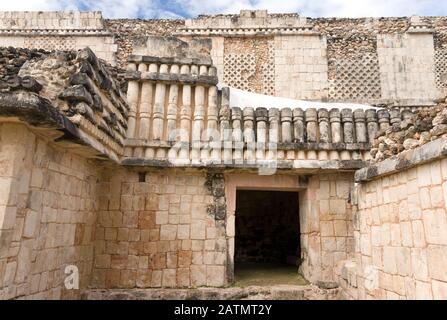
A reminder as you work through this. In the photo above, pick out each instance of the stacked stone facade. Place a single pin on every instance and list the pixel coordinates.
(48, 214)
(154, 230)
(400, 238)
(326, 58)
(62, 31)
(138, 189)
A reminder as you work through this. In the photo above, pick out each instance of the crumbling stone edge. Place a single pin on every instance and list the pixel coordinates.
(215, 183)
(279, 164)
(426, 153)
(36, 111)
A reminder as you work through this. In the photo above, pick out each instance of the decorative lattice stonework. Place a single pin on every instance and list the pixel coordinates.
(268, 71)
(249, 64)
(355, 78)
(239, 70)
(51, 43)
(441, 68)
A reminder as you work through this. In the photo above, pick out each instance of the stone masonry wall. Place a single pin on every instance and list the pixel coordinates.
(400, 236)
(154, 230)
(326, 225)
(355, 63)
(301, 67)
(57, 30)
(47, 216)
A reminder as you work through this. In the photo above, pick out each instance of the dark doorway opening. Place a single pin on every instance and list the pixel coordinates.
(267, 242)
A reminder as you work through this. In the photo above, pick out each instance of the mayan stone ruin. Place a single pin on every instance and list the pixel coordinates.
(160, 159)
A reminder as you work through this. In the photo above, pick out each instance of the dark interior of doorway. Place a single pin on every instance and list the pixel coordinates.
(267, 242)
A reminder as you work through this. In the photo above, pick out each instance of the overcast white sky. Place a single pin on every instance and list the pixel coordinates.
(190, 8)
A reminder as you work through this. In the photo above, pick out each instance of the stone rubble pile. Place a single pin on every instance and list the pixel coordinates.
(128, 31)
(74, 84)
(11, 60)
(415, 129)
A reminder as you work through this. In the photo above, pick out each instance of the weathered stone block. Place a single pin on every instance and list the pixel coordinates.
(423, 291)
(340, 227)
(183, 232)
(144, 278)
(184, 258)
(327, 228)
(389, 260)
(419, 264)
(156, 278)
(403, 261)
(337, 206)
(161, 217)
(10, 272)
(424, 175)
(215, 276)
(198, 229)
(439, 289)
(208, 257)
(168, 232)
(435, 224)
(128, 278)
(7, 216)
(437, 261)
(199, 275)
(169, 279)
(183, 277)
(436, 197)
(103, 261)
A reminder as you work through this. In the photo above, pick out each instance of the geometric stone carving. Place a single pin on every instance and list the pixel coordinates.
(441, 68)
(240, 68)
(51, 43)
(356, 78)
(268, 71)
(250, 64)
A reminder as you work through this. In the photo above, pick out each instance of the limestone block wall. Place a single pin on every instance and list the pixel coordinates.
(397, 61)
(47, 215)
(103, 46)
(388, 60)
(301, 70)
(57, 30)
(265, 53)
(406, 64)
(326, 225)
(155, 229)
(400, 236)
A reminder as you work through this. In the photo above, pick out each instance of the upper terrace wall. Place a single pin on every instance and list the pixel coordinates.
(397, 61)
(57, 30)
(369, 60)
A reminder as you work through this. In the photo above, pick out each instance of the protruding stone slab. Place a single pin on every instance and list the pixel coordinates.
(428, 152)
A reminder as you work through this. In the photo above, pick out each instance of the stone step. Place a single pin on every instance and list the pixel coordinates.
(279, 292)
